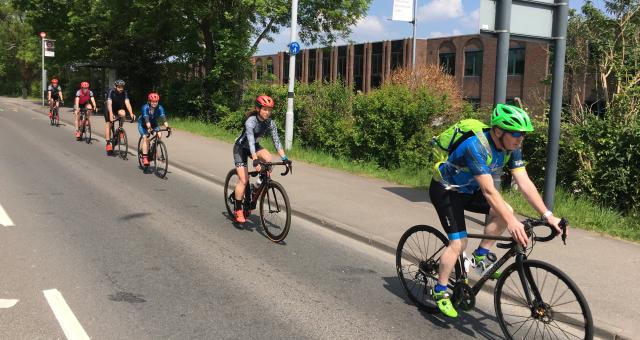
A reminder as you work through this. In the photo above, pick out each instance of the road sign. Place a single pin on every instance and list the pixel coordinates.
(529, 19)
(402, 10)
(294, 48)
(49, 48)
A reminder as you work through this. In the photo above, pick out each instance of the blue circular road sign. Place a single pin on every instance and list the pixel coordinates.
(294, 48)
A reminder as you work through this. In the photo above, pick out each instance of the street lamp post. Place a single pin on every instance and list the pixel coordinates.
(293, 50)
(44, 81)
(413, 49)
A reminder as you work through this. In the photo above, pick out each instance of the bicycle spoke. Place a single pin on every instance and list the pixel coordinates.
(564, 332)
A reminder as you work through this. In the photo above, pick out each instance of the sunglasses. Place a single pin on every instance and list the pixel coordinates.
(517, 134)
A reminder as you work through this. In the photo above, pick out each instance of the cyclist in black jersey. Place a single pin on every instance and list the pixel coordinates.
(54, 95)
(257, 124)
(117, 102)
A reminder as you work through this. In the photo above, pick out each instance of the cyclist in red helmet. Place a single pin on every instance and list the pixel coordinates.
(84, 98)
(54, 95)
(257, 124)
(148, 121)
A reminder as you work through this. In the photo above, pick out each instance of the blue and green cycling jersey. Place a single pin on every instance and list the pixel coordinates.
(469, 159)
(151, 115)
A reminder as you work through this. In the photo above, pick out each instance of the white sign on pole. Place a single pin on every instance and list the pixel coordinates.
(49, 48)
(532, 19)
(402, 10)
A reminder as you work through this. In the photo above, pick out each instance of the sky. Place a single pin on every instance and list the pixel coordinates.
(435, 18)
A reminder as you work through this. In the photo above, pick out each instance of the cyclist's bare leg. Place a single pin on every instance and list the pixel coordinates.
(495, 227)
(264, 155)
(76, 113)
(449, 258)
(88, 115)
(243, 175)
(145, 144)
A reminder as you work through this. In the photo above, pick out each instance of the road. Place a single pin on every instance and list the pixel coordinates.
(132, 256)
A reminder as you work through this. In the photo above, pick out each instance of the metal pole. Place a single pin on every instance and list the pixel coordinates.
(560, 46)
(503, 20)
(413, 49)
(44, 81)
(288, 139)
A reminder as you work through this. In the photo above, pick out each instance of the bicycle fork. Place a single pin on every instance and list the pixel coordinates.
(528, 283)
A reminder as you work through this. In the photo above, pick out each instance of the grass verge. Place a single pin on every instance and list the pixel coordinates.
(580, 212)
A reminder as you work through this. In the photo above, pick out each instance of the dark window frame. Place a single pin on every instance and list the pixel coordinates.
(447, 61)
(473, 69)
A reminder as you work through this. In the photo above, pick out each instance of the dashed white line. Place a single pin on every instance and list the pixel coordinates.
(7, 303)
(5, 220)
(67, 320)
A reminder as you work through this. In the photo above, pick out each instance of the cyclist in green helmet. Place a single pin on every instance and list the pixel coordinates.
(467, 184)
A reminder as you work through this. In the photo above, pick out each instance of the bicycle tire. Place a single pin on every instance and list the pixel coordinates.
(52, 120)
(229, 191)
(140, 152)
(549, 315)
(56, 117)
(269, 197)
(123, 146)
(87, 131)
(417, 263)
(161, 159)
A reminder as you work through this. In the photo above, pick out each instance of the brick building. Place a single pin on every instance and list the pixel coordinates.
(469, 58)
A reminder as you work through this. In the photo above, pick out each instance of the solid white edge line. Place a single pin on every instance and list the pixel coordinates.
(67, 320)
(5, 220)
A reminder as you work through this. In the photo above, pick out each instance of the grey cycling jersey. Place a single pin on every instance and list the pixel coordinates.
(254, 128)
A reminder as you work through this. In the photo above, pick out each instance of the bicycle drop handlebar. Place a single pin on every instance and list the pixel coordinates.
(154, 132)
(267, 165)
(531, 223)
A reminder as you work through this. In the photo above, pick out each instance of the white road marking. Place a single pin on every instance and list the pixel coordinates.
(7, 303)
(5, 220)
(67, 320)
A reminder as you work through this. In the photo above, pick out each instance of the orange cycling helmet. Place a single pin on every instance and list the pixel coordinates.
(84, 84)
(264, 101)
(54, 81)
(153, 97)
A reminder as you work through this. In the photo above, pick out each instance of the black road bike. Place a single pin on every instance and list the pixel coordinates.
(85, 125)
(156, 153)
(275, 209)
(119, 137)
(532, 298)
(55, 114)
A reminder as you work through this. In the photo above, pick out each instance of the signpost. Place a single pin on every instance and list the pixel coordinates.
(294, 48)
(540, 20)
(44, 80)
(405, 10)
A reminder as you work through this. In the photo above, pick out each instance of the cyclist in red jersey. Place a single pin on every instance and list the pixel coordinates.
(84, 98)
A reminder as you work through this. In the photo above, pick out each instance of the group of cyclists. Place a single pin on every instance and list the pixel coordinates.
(117, 103)
(464, 181)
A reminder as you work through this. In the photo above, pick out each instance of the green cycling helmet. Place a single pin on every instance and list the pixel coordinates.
(511, 118)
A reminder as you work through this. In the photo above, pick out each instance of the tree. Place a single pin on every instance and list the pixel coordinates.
(19, 51)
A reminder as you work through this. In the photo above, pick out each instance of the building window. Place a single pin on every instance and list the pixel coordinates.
(270, 66)
(342, 63)
(285, 71)
(311, 77)
(472, 63)
(358, 60)
(397, 54)
(259, 70)
(326, 65)
(475, 102)
(516, 61)
(448, 62)
(299, 69)
(376, 64)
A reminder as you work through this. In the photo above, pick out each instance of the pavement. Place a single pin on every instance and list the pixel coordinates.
(377, 213)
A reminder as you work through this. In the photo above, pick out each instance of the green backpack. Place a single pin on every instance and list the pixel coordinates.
(446, 142)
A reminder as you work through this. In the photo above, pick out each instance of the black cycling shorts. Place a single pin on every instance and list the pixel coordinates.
(241, 154)
(451, 205)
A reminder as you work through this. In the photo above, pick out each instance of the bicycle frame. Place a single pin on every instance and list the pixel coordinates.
(265, 174)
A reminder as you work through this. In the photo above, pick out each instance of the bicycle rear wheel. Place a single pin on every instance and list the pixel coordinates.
(160, 159)
(275, 212)
(560, 312)
(123, 147)
(56, 117)
(417, 264)
(230, 183)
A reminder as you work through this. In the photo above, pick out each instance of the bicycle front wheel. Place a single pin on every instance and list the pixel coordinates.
(56, 117)
(123, 147)
(140, 152)
(230, 183)
(275, 212)
(87, 131)
(418, 263)
(558, 310)
(160, 159)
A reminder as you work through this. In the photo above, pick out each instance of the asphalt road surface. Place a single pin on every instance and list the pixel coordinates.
(98, 249)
